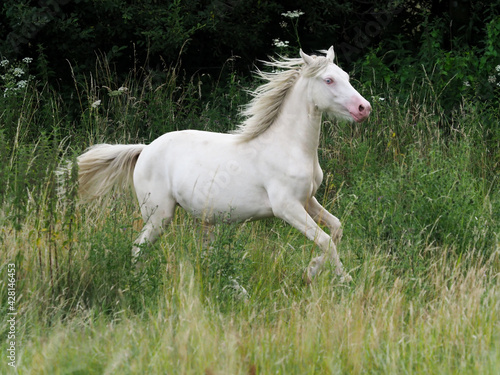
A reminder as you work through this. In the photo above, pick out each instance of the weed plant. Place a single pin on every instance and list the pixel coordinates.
(419, 205)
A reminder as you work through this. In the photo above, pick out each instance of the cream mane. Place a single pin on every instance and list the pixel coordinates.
(265, 106)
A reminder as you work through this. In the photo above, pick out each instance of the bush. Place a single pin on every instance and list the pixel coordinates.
(433, 73)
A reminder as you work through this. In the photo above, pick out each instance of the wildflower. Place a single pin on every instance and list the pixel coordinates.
(278, 43)
(292, 14)
(96, 104)
(4, 63)
(18, 72)
(467, 83)
(283, 24)
(27, 60)
(123, 89)
(492, 79)
(239, 291)
(381, 99)
(22, 84)
(497, 68)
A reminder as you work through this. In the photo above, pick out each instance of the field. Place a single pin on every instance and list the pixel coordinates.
(417, 193)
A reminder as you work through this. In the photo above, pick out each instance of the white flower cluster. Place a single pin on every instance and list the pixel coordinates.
(18, 72)
(493, 79)
(292, 14)
(280, 43)
(14, 78)
(122, 90)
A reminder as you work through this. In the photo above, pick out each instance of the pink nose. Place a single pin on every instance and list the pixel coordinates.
(364, 109)
(361, 110)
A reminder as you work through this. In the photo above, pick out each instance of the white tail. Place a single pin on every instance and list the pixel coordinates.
(104, 166)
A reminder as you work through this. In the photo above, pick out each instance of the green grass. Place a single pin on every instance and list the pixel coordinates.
(419, 204)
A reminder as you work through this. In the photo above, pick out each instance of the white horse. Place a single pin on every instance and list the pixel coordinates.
(267, 167)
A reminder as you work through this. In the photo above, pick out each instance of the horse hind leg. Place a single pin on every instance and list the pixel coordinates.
(150, 233)
(156, 219)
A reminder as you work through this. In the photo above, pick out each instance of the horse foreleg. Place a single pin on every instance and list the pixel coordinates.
(297, 216)
(321, 216)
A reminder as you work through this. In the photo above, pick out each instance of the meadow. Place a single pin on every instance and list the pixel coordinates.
(415, 187)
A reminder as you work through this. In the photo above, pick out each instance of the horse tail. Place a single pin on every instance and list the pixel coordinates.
(104, 166)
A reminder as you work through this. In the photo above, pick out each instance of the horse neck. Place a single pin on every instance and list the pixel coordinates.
(299, 122)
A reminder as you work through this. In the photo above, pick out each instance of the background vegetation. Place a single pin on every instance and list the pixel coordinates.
(416, 188)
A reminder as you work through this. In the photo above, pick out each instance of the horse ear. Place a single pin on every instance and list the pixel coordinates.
(330, 54)
(307, 59)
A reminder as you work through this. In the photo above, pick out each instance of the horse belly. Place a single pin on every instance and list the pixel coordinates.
(222, 196)
(217, 180)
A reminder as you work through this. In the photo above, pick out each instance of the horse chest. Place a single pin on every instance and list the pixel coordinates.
(302, 179)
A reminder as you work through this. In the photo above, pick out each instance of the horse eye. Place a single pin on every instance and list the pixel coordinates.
(328, 81)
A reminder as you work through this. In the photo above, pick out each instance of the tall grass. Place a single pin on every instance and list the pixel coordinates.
(419, 203)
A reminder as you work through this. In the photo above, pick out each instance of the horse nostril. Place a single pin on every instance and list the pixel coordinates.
(365, 108)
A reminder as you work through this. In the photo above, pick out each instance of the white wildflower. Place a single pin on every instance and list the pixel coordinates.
(96, 104)
(18, 72)
(497, 68)
(381, 99)
(239, 291)
(123, 89)
(283, 24)
(4, 63)
(27, 60)
(279, 43)
(22, 84)
(492, 79)
(292, 14)
(467, 83)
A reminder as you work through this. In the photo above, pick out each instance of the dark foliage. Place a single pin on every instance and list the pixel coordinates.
(208, 32)
(453, 44)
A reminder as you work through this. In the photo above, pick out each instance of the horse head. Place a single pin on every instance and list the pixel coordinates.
(330, 89)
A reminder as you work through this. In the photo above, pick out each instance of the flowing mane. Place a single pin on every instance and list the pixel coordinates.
(265, 106)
